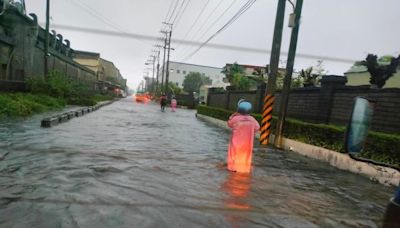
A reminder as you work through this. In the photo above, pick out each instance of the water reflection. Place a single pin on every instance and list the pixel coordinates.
(237, 187)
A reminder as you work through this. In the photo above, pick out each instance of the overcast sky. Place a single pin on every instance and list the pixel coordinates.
(343, 29)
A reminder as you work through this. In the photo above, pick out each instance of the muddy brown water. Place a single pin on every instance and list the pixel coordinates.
(130, 165)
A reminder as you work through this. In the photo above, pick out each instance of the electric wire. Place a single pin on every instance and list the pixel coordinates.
(169, 9)
(215, 22)
(173, 11)
(195, 21)
(100, 17)
(179, 11)
(185, 42)
(183, 12)
(205, 22)
(227, 24)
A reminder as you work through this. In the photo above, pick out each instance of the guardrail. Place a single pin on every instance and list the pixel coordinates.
(66, 116)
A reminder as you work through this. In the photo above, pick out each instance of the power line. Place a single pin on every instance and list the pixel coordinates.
(99, 16)
(180, 17)
(185, 42)
(179, 11)
(195, 21)
(207, 18)
(231, 21)
(169, 9)
(219, 18)
(216, 21)
(173, 11)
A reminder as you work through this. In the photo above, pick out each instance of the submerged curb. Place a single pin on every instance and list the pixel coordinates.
(66, 116)
(381, 174)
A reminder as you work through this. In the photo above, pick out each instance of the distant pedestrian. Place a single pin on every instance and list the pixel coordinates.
(163, 102)
(240, 149)
(174, 103)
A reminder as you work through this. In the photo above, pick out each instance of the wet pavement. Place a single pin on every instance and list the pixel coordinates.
(130, 165)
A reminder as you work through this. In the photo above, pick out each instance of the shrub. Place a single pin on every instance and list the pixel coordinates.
(60, 86)
(379, 146)
(25, 104)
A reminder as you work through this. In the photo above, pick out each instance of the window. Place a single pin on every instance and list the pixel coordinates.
(178, 71)
(184, 72)
(177, 84)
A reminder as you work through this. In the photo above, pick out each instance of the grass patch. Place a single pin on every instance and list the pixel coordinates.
(26, 104)
(380, 147)
(50, 93)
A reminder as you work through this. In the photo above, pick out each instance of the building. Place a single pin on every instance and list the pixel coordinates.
(90, 60)
(359, 75)
(179, 70)
(249, 70)
(105, 70)
(112, 73)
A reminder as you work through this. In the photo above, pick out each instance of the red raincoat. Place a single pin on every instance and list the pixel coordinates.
(240, 149)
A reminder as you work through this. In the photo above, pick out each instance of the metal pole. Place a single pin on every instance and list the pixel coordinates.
(152, 80)
(169, 51)
(163, 66)
(47, 40)
(288, 77)
(272, 75)
(158, 71)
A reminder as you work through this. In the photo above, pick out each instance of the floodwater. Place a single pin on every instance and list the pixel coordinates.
(130, 165)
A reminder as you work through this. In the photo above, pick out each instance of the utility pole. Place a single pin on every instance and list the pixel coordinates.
(158, 69)
(47, 39)
(153, 78)
(152, 61)
(288, 76)
(272, 74)
(163, 66)
(169, 35)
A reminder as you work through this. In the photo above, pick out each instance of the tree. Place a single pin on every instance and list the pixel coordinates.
(174, 88)
(193, 81)
(309, 78)
(380, 70)
(241, 82)
(233, 70)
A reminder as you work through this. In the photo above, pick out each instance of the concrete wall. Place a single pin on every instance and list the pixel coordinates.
(328, 105)
(22, 54)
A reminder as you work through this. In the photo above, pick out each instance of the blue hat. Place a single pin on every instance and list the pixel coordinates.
(244, 105)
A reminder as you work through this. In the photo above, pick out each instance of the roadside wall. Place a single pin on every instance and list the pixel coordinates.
(22, 53)
(331, 103)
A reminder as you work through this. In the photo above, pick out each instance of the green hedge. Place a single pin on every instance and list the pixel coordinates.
(379, 147)
(25, 104)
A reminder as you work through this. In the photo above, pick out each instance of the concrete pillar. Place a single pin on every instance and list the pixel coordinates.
(228, 96)
(329, 83)
(260, 94)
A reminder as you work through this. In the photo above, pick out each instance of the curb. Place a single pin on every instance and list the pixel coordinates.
(66, 116)
(383, 175)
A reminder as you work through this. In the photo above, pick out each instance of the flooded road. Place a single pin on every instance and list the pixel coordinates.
(130, 165)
